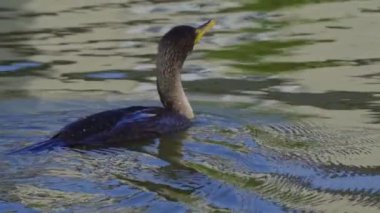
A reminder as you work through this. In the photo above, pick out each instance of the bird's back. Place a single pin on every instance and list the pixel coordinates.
(117, 126)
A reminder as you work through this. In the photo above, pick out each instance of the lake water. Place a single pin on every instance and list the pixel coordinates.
(287, 96)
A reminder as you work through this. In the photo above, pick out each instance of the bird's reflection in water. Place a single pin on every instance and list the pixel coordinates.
(166, 144)
(167, 148)
(173, 180)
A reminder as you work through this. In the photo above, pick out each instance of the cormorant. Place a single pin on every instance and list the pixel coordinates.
(139, 122)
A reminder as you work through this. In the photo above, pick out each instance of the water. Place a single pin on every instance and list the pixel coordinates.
(286, 94)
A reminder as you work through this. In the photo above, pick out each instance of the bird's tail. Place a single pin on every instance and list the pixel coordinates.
(41, 146)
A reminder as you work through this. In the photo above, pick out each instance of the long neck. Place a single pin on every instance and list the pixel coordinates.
(170, 89)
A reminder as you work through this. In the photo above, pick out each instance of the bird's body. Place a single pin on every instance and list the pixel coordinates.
(115, 127)
(138, 122)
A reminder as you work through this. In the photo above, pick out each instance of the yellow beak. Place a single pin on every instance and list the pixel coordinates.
(203, 29)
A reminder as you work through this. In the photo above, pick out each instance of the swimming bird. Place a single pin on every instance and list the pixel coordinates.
(140, 122)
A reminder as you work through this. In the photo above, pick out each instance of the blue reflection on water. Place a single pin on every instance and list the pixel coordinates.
(107, 75)
(17, 66)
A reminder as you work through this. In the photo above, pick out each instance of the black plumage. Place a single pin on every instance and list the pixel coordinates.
(115, 127)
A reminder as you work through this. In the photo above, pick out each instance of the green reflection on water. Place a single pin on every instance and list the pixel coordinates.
(273, 67)
(247, 57)
(270, 5)
(255, 50)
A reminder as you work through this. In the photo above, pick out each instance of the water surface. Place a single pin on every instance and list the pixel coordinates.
(286, 93)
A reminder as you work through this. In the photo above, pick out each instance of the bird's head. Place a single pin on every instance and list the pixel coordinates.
(176, 44)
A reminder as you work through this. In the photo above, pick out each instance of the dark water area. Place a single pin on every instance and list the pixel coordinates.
(286, 93)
